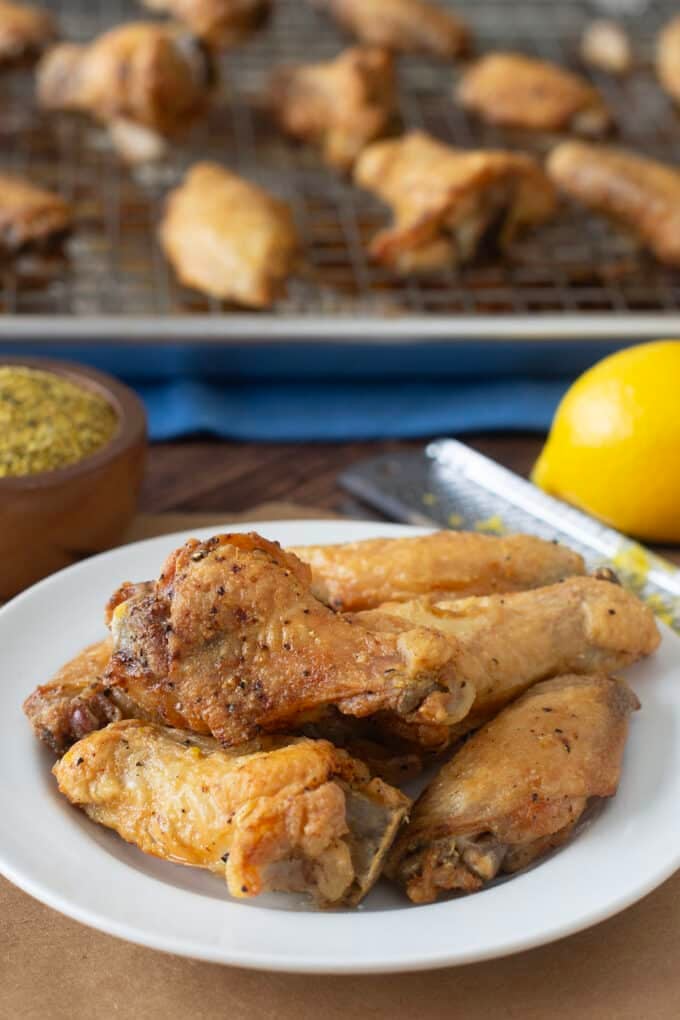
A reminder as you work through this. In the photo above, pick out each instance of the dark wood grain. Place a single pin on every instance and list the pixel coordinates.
(213, 475)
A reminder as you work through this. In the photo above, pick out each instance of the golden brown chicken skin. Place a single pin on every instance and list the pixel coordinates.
(512, 90)
(447, 201)
(637, 194)
(668, 58)
(340, 105)
(516, 789)
(408, 26)
(220, 23)
(503, 644)
(293, 815)
(352, 576)
(228, 238)
(232, 642)
(25, 31)
(145, 80)
(30, 217)
(77, 700)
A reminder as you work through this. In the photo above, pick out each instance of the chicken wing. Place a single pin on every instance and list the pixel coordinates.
(638, 194)
(220, 23)
(229, 238)
(339, 105)
(447, 201)
(503, 644)
(605, 45)
(517, 788)
(232, 642)
(77, 700)
(668, 58)
(447, 564)
(408, 26)
(30, 216)
(145, 80)
(24, 31)
(293, 815)
(517, 91)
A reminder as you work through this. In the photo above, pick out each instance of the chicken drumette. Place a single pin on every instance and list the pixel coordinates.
(145, 81)
(228, 238)
(352, 576)
(447, 201)
(289, 815)
(409, 26)
(221, 23)
(516, 789)
(24, 31)
(640, 195)
(230, 641)
(340, 105)
(503, 644)
(517, 91)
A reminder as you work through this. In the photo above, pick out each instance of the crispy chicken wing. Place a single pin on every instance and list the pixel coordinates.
(294, 815)
(77, 700)
(229, 238)
(516, 789)
(448, 564)
(447, 201)
(30, 216)
(668, 58)
(408, 26)
(25, 31)
(220, 23)
(144, 80)
(232, 642)
(503, 644)
(339, 105)
(518, 91)
(640, 195)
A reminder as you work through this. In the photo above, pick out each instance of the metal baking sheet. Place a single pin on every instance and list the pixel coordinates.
(452, 486)
(574, 279)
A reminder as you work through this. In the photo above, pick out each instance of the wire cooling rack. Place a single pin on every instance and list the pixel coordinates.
(575, 277)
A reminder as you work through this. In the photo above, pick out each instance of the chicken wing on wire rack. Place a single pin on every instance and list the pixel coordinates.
(574, 264)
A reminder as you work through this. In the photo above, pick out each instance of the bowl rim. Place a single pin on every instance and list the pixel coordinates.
(132, 427)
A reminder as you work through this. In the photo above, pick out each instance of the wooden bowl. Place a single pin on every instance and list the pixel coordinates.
(54, 518)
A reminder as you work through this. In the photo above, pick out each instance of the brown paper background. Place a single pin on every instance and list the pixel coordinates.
(52, 968)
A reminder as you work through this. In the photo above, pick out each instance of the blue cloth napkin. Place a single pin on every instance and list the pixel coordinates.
(346, 410)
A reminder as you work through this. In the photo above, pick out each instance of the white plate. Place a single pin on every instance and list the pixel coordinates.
(56, 854)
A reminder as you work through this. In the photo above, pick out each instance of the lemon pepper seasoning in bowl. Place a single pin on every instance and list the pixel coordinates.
(48, 422)
(72, 451)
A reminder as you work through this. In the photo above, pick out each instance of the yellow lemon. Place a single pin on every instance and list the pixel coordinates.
(614, 445)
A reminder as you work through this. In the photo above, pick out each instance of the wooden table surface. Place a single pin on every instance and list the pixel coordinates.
(213, 475)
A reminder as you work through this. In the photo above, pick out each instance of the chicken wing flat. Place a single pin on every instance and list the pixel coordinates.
(447, 201)
(300, 816)
(408, 26)
(228, 238)
(668, 58)
(340, 105)
(220, 23)
(517, 788)
(517, 91)
(24, 31)
(232, 642)
(353, 576)
(145, 80)
(503, 644)
(638, 194)
(30, 216)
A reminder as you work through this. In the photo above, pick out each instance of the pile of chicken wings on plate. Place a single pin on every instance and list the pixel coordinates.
(256, 710)
(148, 82)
